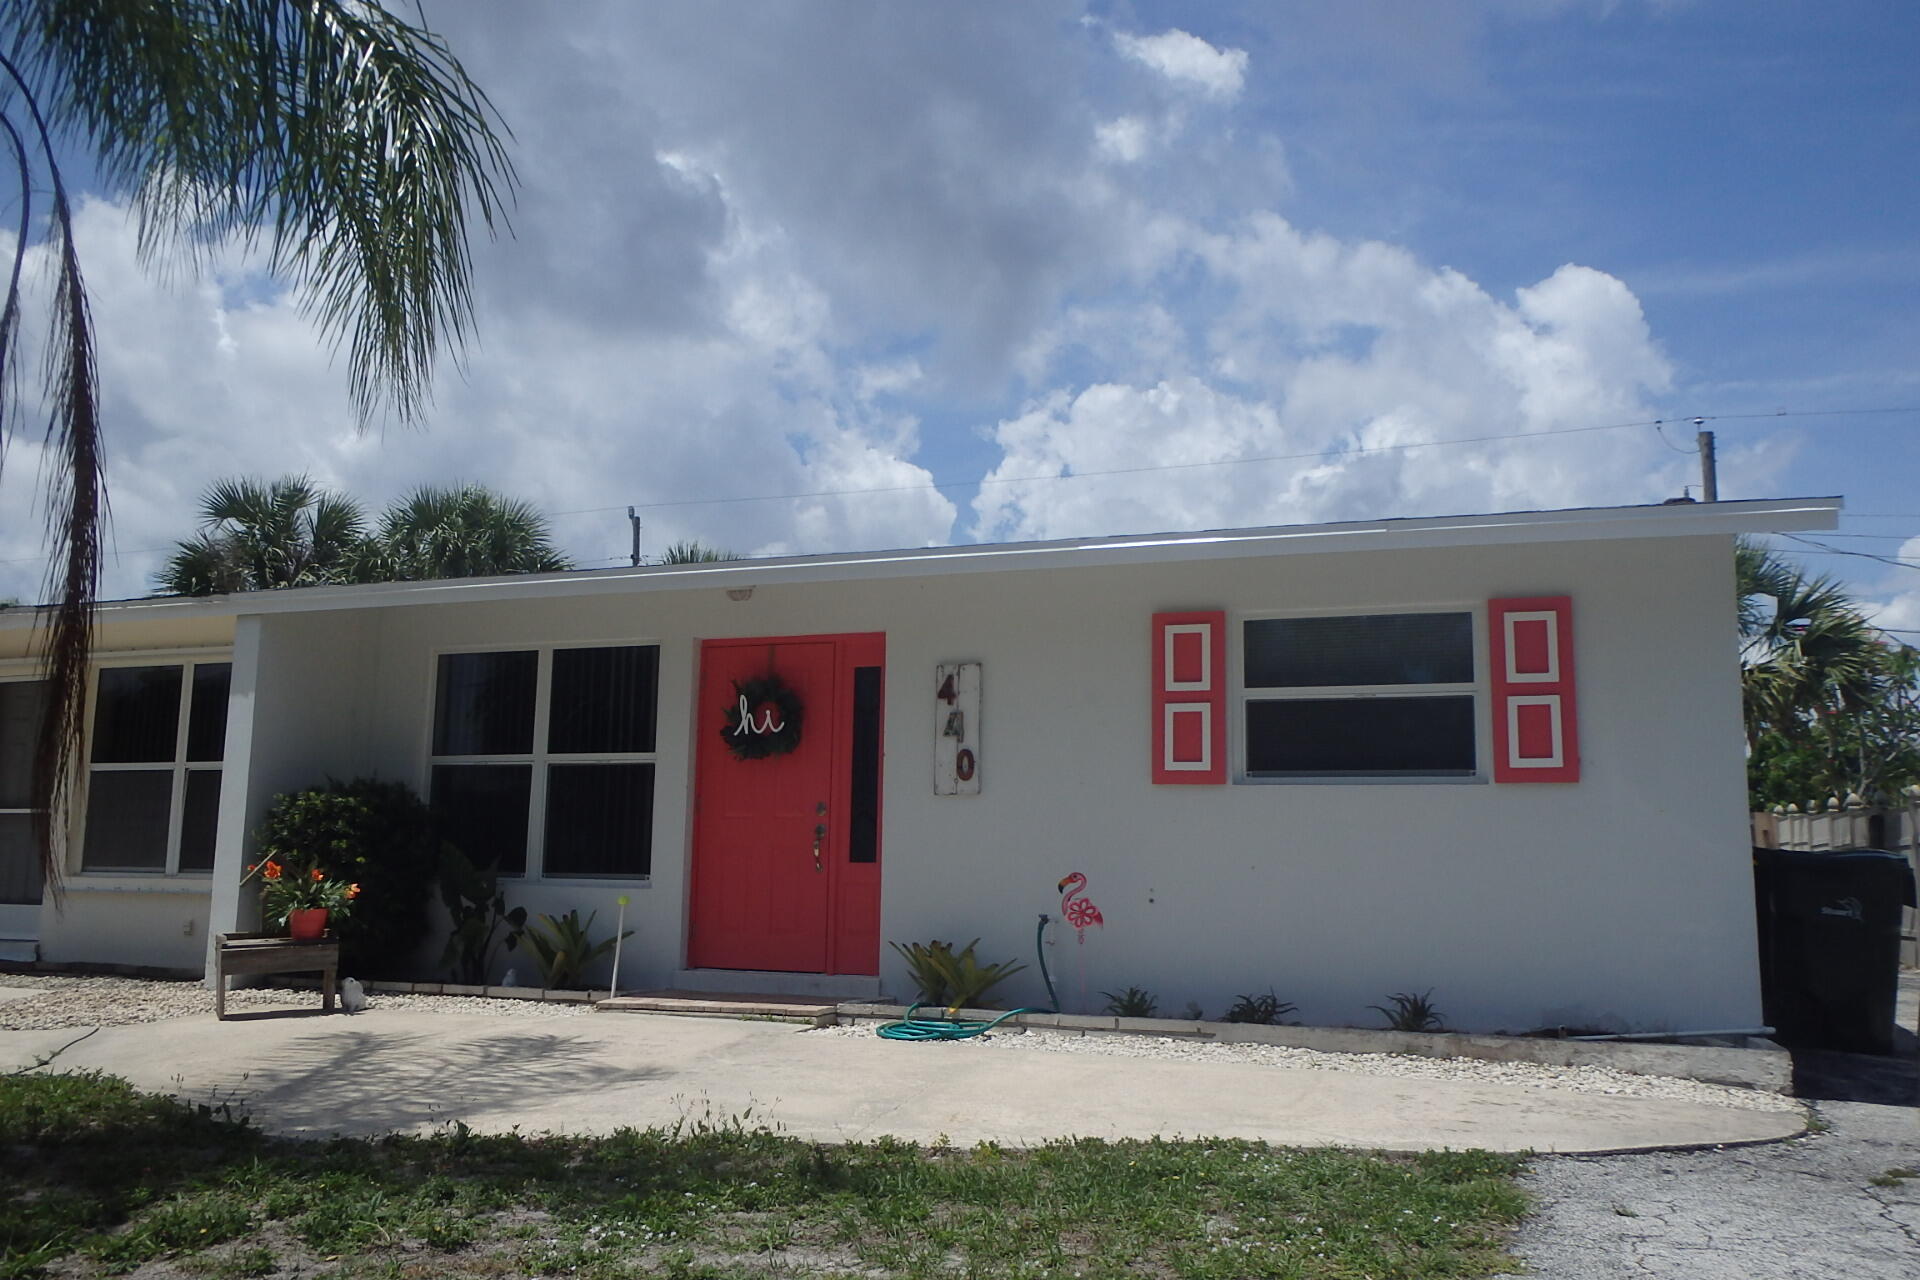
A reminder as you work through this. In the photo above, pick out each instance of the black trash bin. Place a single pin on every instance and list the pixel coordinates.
(1830, 945)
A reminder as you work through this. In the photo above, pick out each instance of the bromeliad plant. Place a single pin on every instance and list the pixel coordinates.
(289, 883)
(954, 979)
(565, 947)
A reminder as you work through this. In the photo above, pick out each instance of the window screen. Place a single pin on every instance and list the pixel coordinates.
(199, 819)
(23, 704)
(136, 715)
(20, 877)
(1373, 649)
(481, 809)
(599, 820)
(1360, 737)
(207, 717)
(603, 700)
(128, 817)
(483, 704)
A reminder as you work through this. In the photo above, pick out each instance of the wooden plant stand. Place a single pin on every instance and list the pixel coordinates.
(237, 954)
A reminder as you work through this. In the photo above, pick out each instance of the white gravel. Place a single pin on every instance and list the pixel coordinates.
(114, 1002)
(1470, 1070)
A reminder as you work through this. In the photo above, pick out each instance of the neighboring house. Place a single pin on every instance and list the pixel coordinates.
(1499, 756)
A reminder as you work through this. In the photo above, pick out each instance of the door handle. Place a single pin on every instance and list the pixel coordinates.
(819, 834)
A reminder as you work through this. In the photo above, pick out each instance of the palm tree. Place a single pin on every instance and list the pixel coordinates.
(465, 532)
(696, 552)
(347, 139)
(1806, 650)
(256, 536)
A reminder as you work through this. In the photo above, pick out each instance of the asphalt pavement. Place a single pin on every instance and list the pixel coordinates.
(1841, 1203)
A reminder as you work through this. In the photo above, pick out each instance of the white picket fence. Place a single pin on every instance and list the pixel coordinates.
(1835, 825)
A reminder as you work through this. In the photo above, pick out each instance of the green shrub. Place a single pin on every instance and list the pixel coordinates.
(375, 834)
(953, 979)
(477, 908)
(1265, 1011)
(1134, 1002)
(1411, 1012)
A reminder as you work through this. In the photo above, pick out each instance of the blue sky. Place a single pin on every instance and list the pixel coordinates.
(803, 250)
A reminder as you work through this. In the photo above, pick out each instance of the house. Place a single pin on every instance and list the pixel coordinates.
(1499, 756)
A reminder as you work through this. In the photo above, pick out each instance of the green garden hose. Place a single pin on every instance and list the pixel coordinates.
(912, 1028)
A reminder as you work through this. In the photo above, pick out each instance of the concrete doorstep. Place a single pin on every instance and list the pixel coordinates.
(1763, 1065)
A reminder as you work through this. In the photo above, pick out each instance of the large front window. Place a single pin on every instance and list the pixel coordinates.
(543, 759)
(153, 767)
(1359, 696)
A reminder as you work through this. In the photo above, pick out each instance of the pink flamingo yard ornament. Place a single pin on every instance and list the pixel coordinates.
(1079, 912)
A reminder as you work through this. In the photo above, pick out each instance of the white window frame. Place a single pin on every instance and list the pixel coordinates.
(186, 660)
(1239, 696)
(540, 758)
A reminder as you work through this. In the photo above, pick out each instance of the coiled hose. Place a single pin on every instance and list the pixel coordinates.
(912, 1028)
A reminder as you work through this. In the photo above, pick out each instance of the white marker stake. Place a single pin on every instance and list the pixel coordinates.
(619, 932)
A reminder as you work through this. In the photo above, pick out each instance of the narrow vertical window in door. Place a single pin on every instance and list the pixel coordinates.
(863, 812)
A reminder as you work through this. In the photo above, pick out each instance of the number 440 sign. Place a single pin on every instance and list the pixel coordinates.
(956, 729)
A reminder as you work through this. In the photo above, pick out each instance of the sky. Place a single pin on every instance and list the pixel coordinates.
(806, 278)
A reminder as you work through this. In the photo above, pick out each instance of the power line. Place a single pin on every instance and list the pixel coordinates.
(1842, 551)
(1354, 451)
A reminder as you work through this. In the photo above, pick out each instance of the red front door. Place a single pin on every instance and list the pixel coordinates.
(786, 872)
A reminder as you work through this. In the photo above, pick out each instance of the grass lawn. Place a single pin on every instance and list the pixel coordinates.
(99, 1179)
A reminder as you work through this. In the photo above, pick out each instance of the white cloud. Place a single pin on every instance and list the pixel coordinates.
(1188, 61)
(1332, 356)
(1124, 139)
(853, 254)
(1895, 603)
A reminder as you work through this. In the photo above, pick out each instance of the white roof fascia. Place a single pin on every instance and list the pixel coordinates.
(1585, 524)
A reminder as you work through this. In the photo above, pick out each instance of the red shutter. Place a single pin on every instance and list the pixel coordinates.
(1190, 698)
(1535, 723)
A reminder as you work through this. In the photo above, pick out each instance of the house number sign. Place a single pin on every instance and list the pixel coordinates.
(956, 729)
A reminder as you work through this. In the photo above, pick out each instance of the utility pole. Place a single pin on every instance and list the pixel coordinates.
(634, 520)
(1709, 466)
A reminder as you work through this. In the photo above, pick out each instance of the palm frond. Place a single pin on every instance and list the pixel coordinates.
(350, 139)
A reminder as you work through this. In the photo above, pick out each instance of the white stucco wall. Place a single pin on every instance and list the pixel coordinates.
(297, 716)
(1622, 899)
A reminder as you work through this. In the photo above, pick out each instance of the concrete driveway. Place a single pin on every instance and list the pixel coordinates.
(402, 1070)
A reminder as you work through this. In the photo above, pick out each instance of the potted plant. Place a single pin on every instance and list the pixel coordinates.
(300, 897)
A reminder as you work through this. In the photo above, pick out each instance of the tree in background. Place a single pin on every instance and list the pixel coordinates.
(255, 536)
(695, 552)
(346, 139)
(464, 532)
(258, 536)
(1832, 705)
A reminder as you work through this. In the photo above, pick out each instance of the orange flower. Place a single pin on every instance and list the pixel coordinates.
(318, 874)
(353, 891)
(271, 870)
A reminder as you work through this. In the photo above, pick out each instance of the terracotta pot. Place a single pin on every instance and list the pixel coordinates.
(307, 924)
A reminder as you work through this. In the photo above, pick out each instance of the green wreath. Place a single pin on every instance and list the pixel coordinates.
(763, 719)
